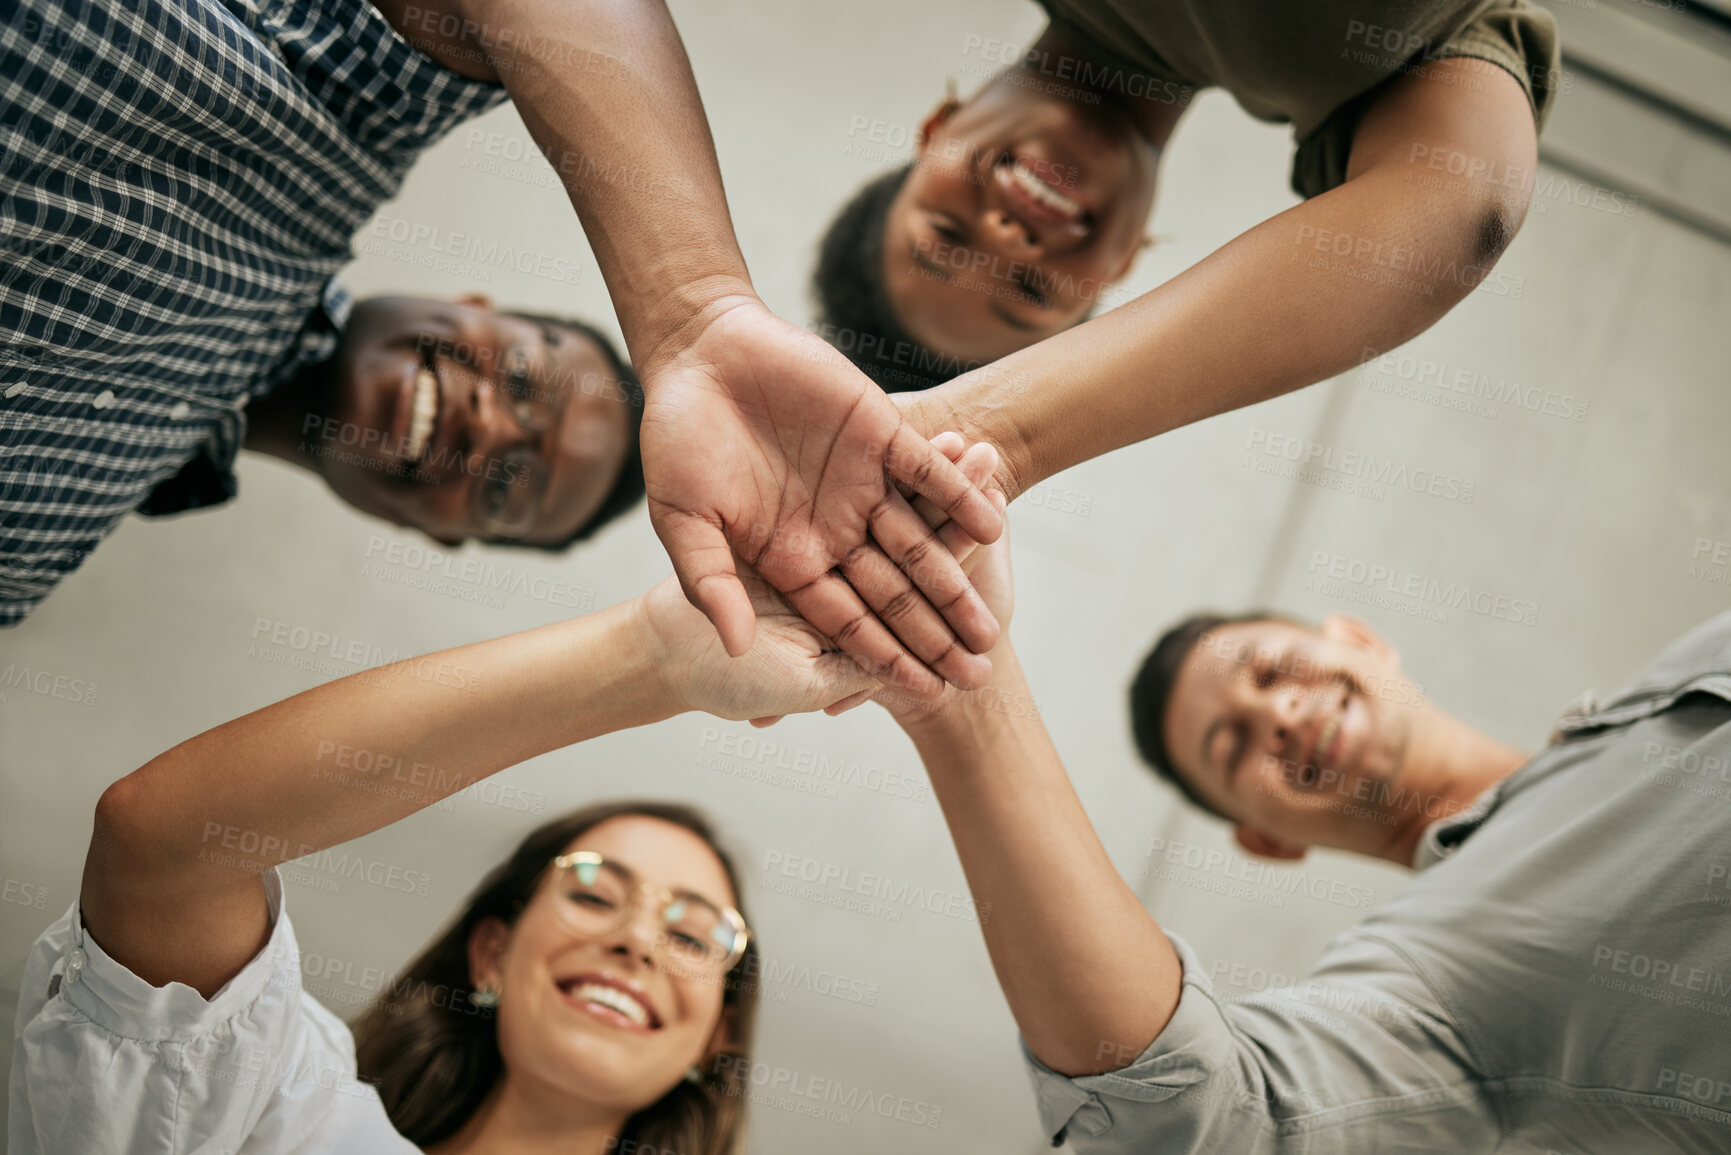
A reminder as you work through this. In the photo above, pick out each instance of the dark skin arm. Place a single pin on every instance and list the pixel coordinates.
(1300, 297)
(759, 442)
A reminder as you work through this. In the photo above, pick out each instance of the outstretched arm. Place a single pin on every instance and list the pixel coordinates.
(759, 442)
(1089, 976)
(171, 887)
(1305, 295)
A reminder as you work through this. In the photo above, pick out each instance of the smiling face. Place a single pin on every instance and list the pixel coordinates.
(1021, 210)
(463, 422)
(611, 1019)
(1301, 737)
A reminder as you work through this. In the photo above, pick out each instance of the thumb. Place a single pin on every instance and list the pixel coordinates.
(703, 562)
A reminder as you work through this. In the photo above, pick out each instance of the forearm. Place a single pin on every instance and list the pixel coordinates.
(1089, 976)
(606, 91)
(1299, 298)
(180, 842)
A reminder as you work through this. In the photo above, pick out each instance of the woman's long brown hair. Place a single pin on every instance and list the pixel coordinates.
(434, 1055)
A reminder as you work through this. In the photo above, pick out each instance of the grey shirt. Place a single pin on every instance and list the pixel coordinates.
(1557, 978)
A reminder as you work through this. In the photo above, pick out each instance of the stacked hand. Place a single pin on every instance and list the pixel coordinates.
(790, 666)
(764, 446)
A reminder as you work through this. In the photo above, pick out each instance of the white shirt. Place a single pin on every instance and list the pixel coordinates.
(103, 1063)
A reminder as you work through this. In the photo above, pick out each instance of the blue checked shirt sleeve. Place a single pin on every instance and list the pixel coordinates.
(1356, 1061)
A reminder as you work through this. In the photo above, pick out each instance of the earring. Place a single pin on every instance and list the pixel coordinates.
(693, 1075)
(487, 997)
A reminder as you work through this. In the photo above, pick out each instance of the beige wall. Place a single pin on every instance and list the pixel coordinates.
(1593, 521)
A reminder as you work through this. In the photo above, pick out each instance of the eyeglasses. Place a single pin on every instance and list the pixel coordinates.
(508, 495)
(598, 896)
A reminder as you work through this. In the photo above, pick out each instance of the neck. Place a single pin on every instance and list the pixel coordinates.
(1448, 765)
(1153, 106)
(515, 1120)
(276, 423)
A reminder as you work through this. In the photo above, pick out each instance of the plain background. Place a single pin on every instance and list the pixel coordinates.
(1596, 522)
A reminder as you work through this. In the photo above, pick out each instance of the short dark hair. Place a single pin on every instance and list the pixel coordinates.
(628, 488)
(853, 306)
(1151, 690)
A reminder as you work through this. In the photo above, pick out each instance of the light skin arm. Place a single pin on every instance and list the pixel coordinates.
(171, 884)
(1088, 974)
(759, 442)
(1303, 296)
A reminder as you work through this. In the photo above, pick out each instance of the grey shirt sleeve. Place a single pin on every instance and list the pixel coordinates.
(1358, 1059)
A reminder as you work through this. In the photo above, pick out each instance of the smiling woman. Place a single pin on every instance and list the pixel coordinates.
(589, 993)
(576, 1008)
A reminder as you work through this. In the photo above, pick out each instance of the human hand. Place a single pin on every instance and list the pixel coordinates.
(988, 566)
(762, 442)
(789, 669)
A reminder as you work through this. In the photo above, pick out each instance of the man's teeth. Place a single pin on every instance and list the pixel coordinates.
(615, 999)
(426, 411)
(1044, 193)
(1329, 729)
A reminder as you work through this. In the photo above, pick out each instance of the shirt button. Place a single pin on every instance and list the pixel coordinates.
(103, 399)
(179, 412)
(75, 966)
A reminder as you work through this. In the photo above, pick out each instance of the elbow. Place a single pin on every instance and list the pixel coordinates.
(117, 834)
(1494, 226)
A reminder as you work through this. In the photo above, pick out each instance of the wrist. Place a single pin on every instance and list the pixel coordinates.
(981, 406)
(974, 717)
(646, 680)
(671, 322)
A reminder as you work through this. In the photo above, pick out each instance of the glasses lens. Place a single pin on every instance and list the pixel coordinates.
(508, 494)
(597, 896)
(698, 935)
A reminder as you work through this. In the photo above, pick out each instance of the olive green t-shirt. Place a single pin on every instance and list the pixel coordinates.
(1311, 62)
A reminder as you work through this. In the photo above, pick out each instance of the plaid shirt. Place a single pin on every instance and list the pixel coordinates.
(179, 182)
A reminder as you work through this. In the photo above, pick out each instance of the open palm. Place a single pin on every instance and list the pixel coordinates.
(761, 442)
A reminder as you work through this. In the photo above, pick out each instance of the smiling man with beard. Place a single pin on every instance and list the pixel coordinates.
(458, 420)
